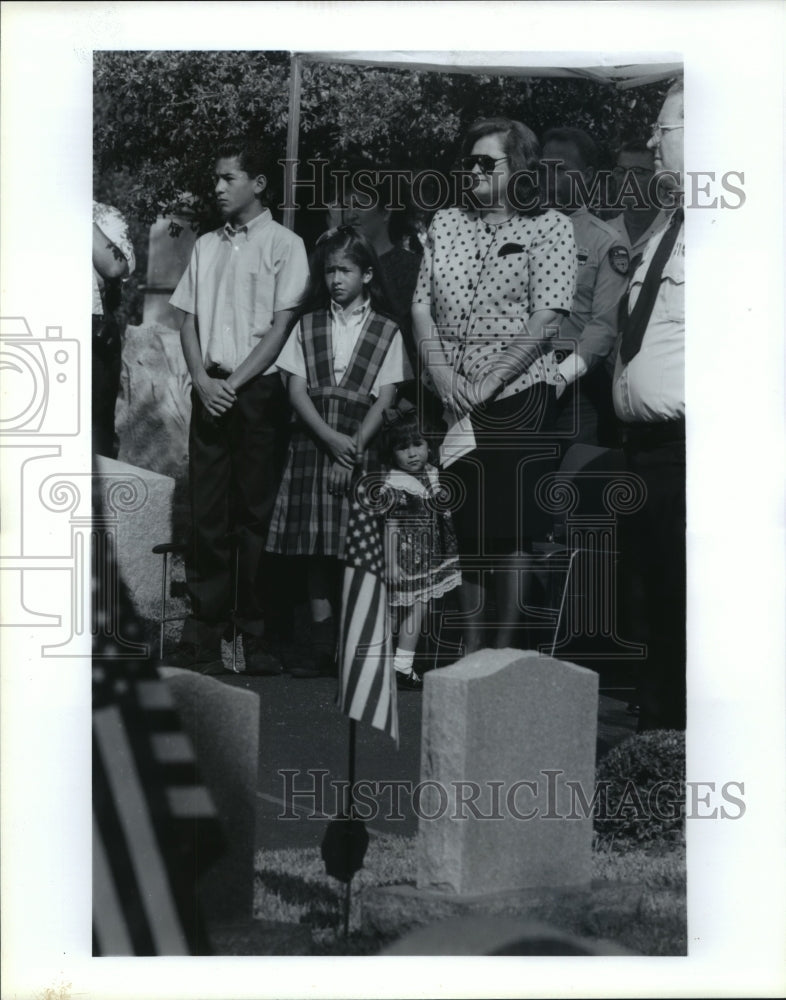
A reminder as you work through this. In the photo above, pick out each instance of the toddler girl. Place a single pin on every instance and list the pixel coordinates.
(421, 559)
(342, 362)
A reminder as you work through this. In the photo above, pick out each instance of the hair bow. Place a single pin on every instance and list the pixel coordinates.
(394, 415)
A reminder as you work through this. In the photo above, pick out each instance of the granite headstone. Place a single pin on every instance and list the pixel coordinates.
(137, 526)
(507, 763)
(222, 723)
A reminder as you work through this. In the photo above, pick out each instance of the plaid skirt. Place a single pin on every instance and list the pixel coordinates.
(308, 520)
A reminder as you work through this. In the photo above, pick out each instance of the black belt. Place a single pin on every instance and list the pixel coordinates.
(649, 435)
(216, 371)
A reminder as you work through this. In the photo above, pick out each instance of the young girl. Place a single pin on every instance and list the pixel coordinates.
(421, 553)
(342, 361)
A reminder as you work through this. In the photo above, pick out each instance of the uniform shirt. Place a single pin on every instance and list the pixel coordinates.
(651, 387)
(115, 228)
(345, 329)
(601, 279)
(638, 248)
(483, 281)
(236, 281)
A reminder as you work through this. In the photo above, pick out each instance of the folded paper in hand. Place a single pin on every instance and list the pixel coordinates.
(459, 440)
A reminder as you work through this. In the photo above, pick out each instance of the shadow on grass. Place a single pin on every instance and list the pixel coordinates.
(321, 903)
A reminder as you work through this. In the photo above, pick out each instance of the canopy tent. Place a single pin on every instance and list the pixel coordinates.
(620, 71)
(629, 74)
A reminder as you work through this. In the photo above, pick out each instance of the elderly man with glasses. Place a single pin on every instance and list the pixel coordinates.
(649, 400)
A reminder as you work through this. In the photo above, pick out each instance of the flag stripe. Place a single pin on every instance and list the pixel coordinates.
(364, 655)
(119, 859)
(367, 689)
(366, 663)
(361, 604)
(109, 922)
(146, 858)
(350, 628)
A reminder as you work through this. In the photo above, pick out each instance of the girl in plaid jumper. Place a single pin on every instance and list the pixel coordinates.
(342, 363)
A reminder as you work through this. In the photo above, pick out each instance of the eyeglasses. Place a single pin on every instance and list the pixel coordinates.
(657, 130)
(482, 160)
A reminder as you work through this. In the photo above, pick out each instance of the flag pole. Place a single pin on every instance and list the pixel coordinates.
(350, 813)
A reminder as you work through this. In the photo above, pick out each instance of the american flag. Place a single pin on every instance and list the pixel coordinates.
(155, 827)
(367, 686)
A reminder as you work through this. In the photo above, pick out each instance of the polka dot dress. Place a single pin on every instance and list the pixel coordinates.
(482, 282)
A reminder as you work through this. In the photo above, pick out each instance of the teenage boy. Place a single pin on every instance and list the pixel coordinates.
(238, 297)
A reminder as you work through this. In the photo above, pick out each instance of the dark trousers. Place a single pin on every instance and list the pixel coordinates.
(585, 412)
(654, 572)
(235, 467)
(105, 384)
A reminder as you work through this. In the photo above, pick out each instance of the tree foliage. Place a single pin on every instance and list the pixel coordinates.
(159, 115)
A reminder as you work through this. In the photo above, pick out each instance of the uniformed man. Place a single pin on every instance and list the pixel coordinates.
(649, 400)
(640, 217)
(589, 333)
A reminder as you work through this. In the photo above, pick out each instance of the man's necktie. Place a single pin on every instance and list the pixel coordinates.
(635, 324)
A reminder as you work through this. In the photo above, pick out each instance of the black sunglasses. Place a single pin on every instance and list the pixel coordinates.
(483, 160)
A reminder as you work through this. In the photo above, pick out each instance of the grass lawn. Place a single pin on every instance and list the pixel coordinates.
(291, 886)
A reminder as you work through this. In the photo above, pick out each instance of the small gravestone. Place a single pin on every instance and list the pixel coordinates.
(169, 250)
(222, 723)
(137, 505)
(515, 733)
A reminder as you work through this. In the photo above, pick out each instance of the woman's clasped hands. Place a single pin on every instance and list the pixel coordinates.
(460, 396)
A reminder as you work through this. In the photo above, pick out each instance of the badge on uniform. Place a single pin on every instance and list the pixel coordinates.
(582, 255)
(619, 258)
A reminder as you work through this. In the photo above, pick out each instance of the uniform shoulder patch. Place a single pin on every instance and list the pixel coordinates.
(619, 258)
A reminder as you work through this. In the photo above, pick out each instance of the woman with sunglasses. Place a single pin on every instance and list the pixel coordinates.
(496, 277)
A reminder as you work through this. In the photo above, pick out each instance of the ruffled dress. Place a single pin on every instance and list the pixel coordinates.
(422, 535)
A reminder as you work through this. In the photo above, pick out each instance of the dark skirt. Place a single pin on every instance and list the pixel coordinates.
(496, 508)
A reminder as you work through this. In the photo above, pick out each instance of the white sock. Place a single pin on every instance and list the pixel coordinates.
(403, 660)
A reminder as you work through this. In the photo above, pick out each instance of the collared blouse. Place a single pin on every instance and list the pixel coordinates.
(345, 328)
(483, 281)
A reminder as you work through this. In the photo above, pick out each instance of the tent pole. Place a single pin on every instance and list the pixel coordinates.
(293, 137)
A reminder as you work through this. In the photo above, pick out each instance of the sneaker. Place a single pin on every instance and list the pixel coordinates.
(409, 682)
(190, 656)
(260, 662)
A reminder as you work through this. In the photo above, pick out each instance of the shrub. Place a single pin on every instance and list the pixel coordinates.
(641, 785)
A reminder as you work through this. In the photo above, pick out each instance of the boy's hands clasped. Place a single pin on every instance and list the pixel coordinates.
(216, 395)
